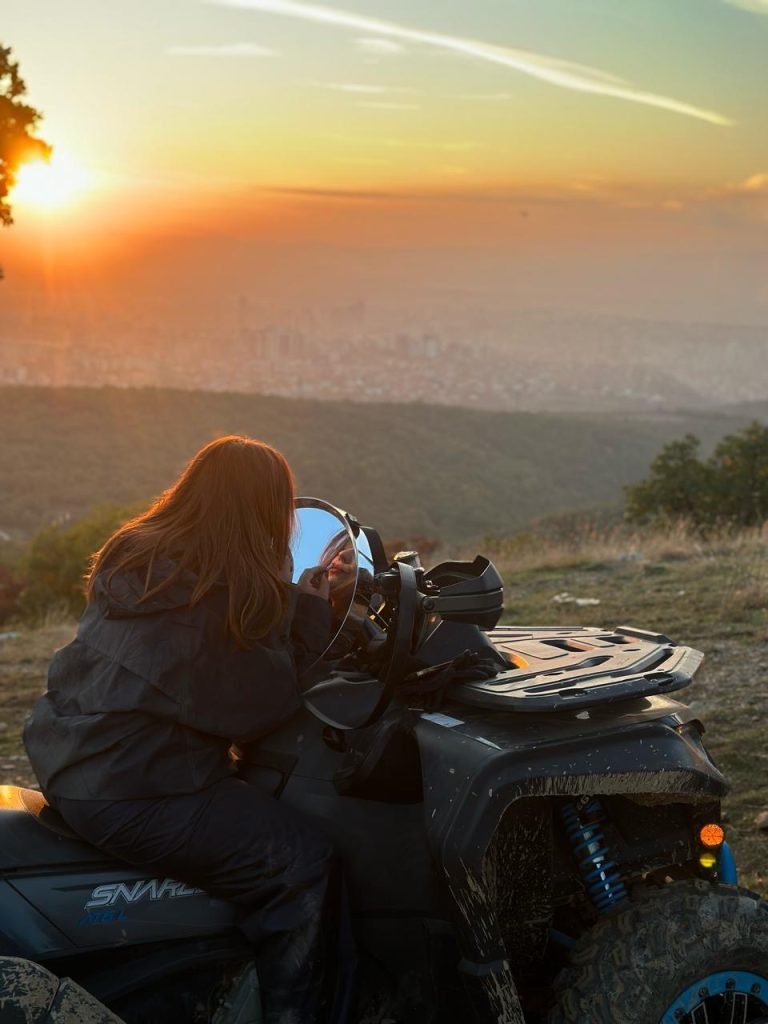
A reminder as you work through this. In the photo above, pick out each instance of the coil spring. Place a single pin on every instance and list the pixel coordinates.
(601, 874)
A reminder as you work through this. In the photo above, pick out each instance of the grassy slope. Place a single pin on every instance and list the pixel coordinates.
(711, 596)
(408, 469)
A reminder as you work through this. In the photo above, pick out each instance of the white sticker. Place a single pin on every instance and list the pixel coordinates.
(445, 720)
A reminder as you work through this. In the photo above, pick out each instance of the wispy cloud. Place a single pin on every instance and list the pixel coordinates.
(745, 200)
(753, 187)
(364, 89)
(354, 87)
(227, 50)
(380, 47)
(487, 196)
(550, 69)
(757, 183)
(493, 97)
(372, 141)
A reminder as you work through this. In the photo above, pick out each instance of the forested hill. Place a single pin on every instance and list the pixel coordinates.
(409, 469)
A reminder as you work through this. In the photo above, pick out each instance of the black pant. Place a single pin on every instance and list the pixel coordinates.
(241, 846)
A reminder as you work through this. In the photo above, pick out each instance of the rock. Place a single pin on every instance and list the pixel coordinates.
(631, 556)
(761, 821)
(3, 726)
(566, 598)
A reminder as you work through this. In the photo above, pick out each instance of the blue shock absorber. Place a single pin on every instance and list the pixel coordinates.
(601, 874)
(728, 872)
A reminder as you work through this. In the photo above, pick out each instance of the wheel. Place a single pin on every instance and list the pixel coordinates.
(30, 994)
(687, 953)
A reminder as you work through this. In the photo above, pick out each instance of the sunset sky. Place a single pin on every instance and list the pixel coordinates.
(595, 127)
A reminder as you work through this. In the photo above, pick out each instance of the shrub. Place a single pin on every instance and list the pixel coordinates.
(730, 488)
(56, 560)
(10, 590)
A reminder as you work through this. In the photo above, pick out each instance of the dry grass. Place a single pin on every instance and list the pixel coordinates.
(24, 659)
(589, 544)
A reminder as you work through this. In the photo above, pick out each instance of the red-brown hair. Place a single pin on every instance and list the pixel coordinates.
(228, 518)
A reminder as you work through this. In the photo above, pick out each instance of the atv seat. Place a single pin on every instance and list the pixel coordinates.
(24, 843)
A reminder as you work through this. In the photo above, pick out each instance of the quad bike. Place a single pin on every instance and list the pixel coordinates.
(535, 842)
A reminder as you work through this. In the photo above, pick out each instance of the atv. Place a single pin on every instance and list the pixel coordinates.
(528, 817)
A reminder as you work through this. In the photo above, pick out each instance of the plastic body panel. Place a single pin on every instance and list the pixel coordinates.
(121, 906)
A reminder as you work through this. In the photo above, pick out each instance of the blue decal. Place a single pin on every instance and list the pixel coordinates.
(101, 917)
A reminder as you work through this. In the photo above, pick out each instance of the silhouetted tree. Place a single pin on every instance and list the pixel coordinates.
(18, 122)
(740, 465)
(728, 489)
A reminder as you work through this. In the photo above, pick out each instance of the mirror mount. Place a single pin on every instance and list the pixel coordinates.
(403, 583)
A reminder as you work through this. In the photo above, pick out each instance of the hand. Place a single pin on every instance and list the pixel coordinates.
(315, 582)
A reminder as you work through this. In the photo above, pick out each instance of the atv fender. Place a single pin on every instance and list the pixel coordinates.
(475, 766)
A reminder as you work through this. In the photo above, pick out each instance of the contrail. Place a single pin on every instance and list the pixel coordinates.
(550, 69)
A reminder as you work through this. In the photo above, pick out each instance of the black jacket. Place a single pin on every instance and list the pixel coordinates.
(149, 697)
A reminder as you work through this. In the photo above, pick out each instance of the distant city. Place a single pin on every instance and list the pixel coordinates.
(494, 360)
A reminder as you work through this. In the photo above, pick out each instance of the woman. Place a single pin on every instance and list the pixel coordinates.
(192, 640)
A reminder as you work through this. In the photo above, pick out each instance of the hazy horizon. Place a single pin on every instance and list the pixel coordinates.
(425, 159)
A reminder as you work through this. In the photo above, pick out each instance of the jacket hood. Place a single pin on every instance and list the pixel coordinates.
(119, 597)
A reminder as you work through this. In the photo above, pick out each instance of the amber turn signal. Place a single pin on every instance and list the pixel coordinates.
(712, 835)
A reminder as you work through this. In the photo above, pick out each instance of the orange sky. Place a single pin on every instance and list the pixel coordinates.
(541, 148)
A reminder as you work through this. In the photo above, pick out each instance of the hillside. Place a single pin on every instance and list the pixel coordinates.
(713, 596)
(409, 469)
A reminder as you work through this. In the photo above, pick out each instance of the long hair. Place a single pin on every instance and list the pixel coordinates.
(228, 519)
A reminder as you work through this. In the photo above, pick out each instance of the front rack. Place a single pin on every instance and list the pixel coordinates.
(564, 669)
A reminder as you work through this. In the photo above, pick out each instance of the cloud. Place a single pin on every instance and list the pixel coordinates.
(758, 183)
(333, 193)
(554, 198)
(563, 73)
(227, 50)
(353, 87)
(380, 47)
(493, 97)
(753, 187)
(372, 141)
(745, 200)
(366, 90)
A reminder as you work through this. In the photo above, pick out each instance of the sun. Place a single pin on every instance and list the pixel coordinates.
(49, 183)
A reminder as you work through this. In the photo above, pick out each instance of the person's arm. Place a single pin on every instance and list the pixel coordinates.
(311, 630)
(246, 693)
